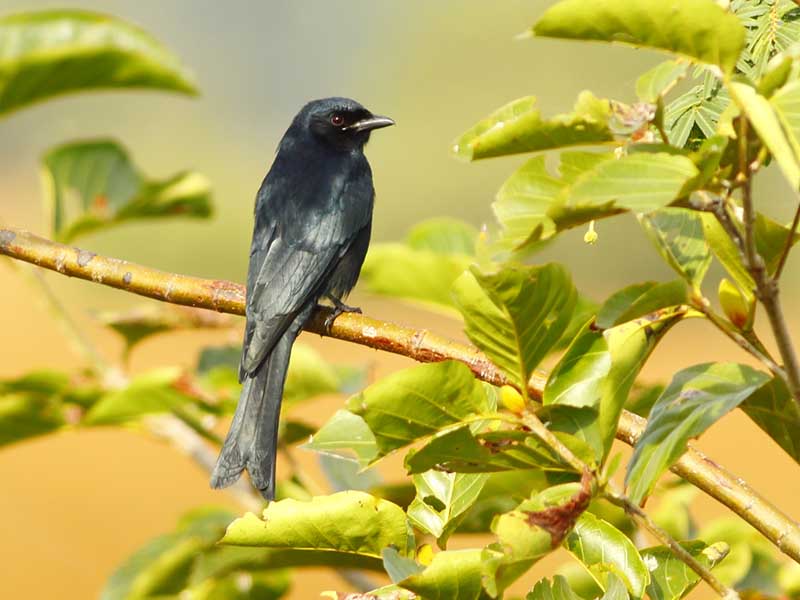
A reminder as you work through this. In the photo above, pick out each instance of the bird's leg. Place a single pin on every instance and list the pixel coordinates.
(339, 307)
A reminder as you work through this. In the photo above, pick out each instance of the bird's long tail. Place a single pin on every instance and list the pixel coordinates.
(253, 437)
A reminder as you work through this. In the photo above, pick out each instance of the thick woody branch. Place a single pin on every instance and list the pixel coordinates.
(419, 345)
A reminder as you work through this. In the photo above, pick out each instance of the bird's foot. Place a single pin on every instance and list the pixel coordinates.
(339, 307)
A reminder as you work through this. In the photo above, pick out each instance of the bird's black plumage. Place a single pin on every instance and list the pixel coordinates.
(313, 217)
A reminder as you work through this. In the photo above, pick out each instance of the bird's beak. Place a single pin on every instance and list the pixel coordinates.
(370, 123)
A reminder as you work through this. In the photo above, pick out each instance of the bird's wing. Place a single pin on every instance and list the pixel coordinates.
(287, 270)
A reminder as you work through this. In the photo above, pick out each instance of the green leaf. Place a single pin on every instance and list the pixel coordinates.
(349, 523)
(443, 500)
(728, 255)
(771, 240)
(651, 85)
(503, 492)
(696, 114)
(558, 590)
(671, 578)
(786, 103)
(533, 205)
(519, 127)
(418, 402)
(156, 391)
(94, 185)
(23, 416)
(638, 300)
(399, 567)
(163, 565)
(531, 531)
(452, 575)
(672, 513)
(443, 236)
(677, 234)
(765, 121)
(751, 563)
(346, 474)
(639, 182)
(695, 399)
(55, 52)
(464, 451)
(435, 253)
(598, 370)
(345, 435)
(265, 585)
(309, 376)
(421, 274)
(37, 403)
(605, 550)
(516, 315)
(774, 410)
(697, 29)
(152, 319)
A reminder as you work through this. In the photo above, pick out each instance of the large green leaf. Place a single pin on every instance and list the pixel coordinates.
(345, 435)
(423, 268)
(420, 274)
(605, 550)
(597, 373)
(443, 500)
(156, 391)
(695, 399)
(444, 236)
(786, 103)
(462, 450)
(350, 523)
(164, 565)
(533, 205)
(639, 182)
(761, 113)
(452, 575)
(671, 578)
(638, 300)
(519, 127)
(677, 234)
(516, 315)
(418, 402)
(775, 411)
(698, 29)
(94, 185)
(49, 53)
(531, 531)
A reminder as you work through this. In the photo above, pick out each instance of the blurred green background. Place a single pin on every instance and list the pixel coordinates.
(79, 503)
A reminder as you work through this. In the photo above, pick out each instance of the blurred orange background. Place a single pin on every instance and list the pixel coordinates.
(74, 505)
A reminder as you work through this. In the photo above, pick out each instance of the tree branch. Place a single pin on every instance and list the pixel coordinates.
(419, 345)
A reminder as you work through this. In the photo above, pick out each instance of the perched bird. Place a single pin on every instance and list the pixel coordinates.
(313, 217)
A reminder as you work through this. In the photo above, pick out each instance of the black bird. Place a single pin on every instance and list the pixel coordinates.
(313, 217)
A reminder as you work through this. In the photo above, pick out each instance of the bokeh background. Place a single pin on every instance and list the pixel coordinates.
(74, 505)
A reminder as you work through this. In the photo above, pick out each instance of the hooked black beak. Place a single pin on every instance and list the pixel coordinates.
(370, 123)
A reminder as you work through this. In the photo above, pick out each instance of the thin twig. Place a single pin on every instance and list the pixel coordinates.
(679, 551)
(767, 290)
(418, 345)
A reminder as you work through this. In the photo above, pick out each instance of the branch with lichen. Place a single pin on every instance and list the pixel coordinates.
(419, 345)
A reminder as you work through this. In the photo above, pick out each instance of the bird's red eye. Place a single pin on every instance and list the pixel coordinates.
(337, 120)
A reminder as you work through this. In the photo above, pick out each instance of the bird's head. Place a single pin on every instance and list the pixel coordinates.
(340, 123)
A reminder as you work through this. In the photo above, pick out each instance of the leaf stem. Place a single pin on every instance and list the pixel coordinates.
(679, 551)
(788, 244)
(419, 345)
